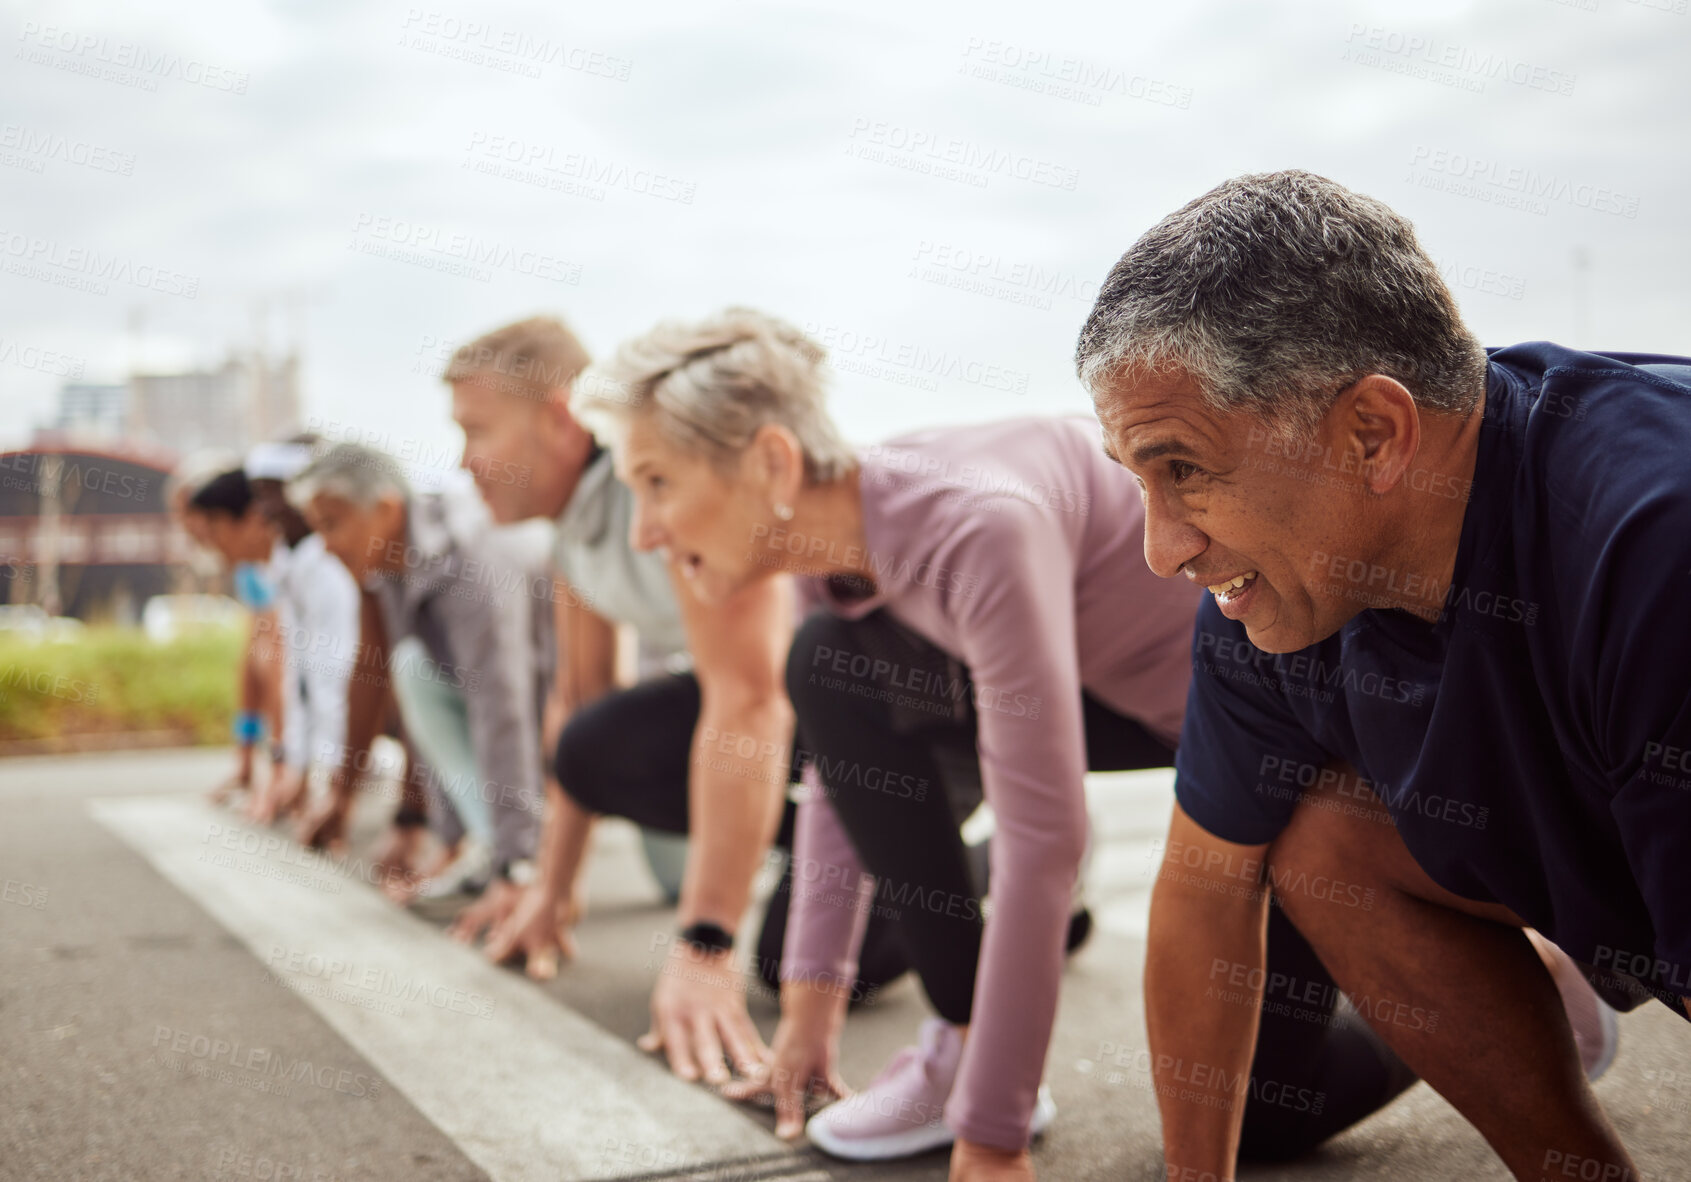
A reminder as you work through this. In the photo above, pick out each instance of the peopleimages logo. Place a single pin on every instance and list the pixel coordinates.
(374, 980)
(989, 274)
(43, 146)
(851, 351)
(1462, 62)
(511, 50)
(440, 249)
(47, 361)
(149, 64)
(88, 268)
(1064, 76)
(881, 461)
(578, 173)
(1490, 180)
(92, 476)
(263, 1062)
(951, 157)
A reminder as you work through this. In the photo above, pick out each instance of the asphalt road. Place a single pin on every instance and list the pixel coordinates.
(181, 1000)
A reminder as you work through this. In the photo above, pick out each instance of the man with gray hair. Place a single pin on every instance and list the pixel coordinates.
(448, 618)
(1441, 703)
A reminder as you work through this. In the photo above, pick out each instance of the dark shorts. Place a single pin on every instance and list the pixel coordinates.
(1625, 994)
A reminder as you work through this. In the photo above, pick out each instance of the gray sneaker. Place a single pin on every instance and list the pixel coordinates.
(469, 872)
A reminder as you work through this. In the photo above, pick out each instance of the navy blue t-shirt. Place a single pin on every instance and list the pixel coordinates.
(1534, 744)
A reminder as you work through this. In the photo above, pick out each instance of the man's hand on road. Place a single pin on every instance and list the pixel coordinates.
(323, 827)
(538, 930)
(283, 793)
(699, 1017)
(496, 904)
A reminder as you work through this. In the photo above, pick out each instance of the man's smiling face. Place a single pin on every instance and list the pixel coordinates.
(1228, 507)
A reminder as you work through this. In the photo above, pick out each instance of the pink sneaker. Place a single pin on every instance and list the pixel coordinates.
(902, 1113)
(1597, 1032)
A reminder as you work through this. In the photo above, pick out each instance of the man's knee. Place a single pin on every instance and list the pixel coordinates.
(580, 766)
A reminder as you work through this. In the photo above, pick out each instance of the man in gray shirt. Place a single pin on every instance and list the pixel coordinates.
(447, 617)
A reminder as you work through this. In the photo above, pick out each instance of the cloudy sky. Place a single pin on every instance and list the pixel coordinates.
(935, 191)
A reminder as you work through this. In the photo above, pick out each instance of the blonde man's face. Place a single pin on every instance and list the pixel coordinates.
(516, 445)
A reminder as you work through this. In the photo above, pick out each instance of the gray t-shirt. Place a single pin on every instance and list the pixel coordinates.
(593, 554)
(479, 604)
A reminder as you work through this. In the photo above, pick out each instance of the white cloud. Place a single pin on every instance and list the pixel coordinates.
(770, 118)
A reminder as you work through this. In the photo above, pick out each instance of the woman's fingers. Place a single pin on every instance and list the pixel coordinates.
(790, 1087)
(755, 1086)
(833, 1087)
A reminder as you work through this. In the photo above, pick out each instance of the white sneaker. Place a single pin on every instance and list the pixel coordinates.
(1044, 1112)
(469, 872)
(902, 1113)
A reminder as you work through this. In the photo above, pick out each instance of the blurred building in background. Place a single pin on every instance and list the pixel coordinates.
(245, 400)
(86, 532)
(92, 413)
(85, 529)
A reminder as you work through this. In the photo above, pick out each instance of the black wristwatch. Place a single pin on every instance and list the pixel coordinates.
(708, 937)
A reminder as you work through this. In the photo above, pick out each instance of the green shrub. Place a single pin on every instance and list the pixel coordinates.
(114, 679)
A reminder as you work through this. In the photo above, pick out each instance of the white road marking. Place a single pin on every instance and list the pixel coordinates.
(531, 1091)
(1129, 821)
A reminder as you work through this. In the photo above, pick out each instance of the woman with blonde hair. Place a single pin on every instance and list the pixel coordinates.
(984, 624)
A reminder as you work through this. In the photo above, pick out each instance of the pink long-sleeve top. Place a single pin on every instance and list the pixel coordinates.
(1017, 548)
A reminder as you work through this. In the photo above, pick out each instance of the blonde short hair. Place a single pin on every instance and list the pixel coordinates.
(712, 383)
(536, 355)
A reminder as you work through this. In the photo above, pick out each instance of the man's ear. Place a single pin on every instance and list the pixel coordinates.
(1376, 421)
(564, 430)
(555, 411)
(390, 517)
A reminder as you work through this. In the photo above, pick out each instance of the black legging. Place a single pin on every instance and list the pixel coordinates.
(915, 735)
(628, 755)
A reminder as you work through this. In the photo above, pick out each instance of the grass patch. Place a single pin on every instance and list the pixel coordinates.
(106, 680)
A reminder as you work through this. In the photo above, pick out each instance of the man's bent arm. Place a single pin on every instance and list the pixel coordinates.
(585, 671)
(1209, 908)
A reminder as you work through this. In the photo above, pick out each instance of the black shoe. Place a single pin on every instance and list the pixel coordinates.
(1080, 930)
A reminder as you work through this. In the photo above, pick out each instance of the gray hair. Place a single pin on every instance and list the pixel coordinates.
(353, 473)
(1275, 291)
(712, 383)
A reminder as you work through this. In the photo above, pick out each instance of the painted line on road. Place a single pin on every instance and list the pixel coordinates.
(1129, 823)
(527, 1088)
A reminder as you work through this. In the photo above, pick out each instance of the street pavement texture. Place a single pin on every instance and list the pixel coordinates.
(182, 998)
